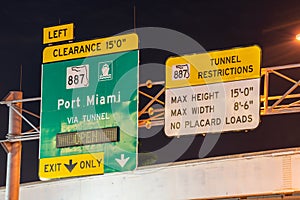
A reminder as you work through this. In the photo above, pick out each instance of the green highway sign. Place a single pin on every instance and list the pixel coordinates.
(89, 112)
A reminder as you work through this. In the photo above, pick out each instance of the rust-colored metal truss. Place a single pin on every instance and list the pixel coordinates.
(152, 93)
(289, 100)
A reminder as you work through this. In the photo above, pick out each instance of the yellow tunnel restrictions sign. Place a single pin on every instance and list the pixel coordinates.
(213, 67)
(75, 165)
(213, 92)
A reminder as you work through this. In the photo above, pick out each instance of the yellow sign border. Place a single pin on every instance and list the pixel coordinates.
(90, 48)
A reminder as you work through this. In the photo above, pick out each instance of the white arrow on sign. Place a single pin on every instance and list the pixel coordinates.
(122, 161)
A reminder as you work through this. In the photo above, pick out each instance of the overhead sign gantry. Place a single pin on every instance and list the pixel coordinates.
(89, 107)
(213, 92)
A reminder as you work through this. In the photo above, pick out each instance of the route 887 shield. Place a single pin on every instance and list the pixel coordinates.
(180, 72)
(77, 76)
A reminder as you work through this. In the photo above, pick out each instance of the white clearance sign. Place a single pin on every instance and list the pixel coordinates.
(213, 93)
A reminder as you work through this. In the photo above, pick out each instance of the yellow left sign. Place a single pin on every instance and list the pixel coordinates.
(70, 166)
(59, 33)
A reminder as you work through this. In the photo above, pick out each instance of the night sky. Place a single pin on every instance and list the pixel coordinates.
(214, 24)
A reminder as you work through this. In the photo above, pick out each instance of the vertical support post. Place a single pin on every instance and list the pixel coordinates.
(14, 149)
(266, 92)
